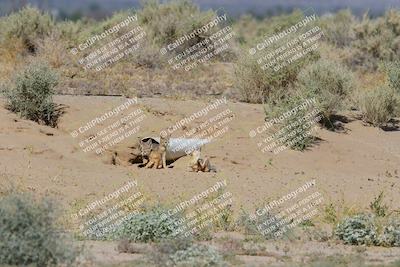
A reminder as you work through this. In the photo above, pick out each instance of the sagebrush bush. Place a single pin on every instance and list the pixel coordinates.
(338, 28)
(376, 40)
(329, 82)
(28, 24)
(31, 96)
(151, 225)
(391, 234)
(166, 22)
(357, 230)
(73, 32)
(378, 207)
(294, 131)
(251, 81)
(257, 80)
(393, 73)
(255, 84)
(255, 227)
(29, 234)
(148, 56)
(378, 107)
(183, 252)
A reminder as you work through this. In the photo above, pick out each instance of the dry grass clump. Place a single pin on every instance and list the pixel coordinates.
(378, 107)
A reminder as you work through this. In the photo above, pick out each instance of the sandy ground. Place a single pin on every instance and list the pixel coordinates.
(277, 253)
(353, 166)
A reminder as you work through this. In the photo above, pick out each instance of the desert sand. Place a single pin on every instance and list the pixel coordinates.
(353, 166)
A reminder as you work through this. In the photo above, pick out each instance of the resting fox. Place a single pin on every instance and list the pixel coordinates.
(197, 164)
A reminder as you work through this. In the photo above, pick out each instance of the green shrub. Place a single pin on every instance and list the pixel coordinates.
(378, 207)
(376, 40)
(256, 85)
(393, 72)
(256, 80)
(295, 130)
(256, 227)
(151, 225)
(29, 234)
(391, 234)
(27, 24)
(148, 56)
(32, 94)
(166, 22)
(251, 81)
(182, 252)
(378, 107)
(329, 83)
(357, 230)
(338, 28)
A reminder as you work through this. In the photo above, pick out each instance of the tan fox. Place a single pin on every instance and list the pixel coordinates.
(197, 164)
(157, 155)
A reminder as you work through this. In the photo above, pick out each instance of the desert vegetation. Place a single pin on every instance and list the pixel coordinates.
(352, 48)
(30, 235)
(354, 75)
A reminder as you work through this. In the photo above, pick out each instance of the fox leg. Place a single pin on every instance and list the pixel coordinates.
(164, 160)
(149, 164)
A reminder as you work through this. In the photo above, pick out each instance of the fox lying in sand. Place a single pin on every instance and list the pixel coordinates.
(197, 164)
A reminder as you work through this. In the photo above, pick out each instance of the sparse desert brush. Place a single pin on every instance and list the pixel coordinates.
(329, 82)
(248, 28)
(391, 233)
(392, 70)
(338, 28)
(166, 22)
(358, 230)
(376, 40)
(53, 50)
(28, 24)
(183, 252)
(256, 79)
(110, 22)
(31, 95)
(295, 130)
(254, 226)
(378, 207)
(251, 80)
(378, 107)
(148, 56)
(10, 57)
(29, 234)
(256, 85)
(147, 226)
(73, 32)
